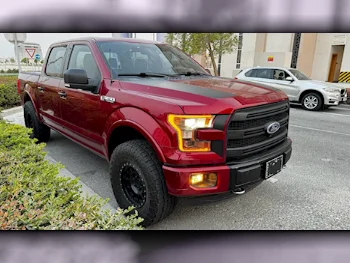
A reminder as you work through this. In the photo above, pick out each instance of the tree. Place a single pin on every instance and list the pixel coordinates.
(216, 44)
(36, 61)
(42, 62)
(6, 61)
(25, 60)
(12, 60)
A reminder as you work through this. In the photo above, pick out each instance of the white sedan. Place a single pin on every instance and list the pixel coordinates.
(311, 94)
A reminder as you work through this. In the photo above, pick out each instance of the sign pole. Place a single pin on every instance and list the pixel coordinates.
(17, 53)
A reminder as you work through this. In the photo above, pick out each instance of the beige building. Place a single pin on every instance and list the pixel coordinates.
(321, 56)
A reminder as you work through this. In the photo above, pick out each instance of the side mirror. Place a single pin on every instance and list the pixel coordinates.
(208, 70)
(78, 79)
(289, 79)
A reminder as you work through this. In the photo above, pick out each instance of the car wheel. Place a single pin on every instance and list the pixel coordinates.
(137, 180)
(312, 102)
(39, 130)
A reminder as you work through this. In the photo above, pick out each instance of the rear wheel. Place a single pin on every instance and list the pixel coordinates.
(137, 180)
(312, 102)
(39, 130)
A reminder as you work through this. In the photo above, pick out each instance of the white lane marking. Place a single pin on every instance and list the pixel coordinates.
(341, 108)
(314, 129)
(272, 180)
(327, 113)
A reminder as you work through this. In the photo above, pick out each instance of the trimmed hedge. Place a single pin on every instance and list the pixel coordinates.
(8, 92)
(34, 197)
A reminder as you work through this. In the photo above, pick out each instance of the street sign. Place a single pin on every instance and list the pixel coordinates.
(37, 56)
(11, 37)
(30, 51)
(16, 38)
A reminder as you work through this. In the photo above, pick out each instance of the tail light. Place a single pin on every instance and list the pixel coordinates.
(19, 86)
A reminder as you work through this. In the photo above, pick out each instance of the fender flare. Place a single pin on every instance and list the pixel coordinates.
(28, 90)
(143, 123)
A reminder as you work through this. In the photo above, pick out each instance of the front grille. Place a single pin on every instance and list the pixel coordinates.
(246, 134)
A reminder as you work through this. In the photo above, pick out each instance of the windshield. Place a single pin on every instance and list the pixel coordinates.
(299, 75)
(125, 58)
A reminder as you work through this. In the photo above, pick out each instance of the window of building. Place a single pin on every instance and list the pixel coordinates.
(239, 51)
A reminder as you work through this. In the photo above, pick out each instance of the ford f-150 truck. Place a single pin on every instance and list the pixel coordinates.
(166, 126)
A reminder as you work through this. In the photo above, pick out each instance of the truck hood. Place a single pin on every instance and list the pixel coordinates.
(202, 95)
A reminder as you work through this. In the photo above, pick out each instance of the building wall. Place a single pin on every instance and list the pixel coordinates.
(322, 57)
(307, 53)
(279, 42)
(345, 65)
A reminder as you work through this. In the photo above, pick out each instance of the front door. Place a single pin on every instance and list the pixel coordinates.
(332, 68)
(83, 113)
(288, 87)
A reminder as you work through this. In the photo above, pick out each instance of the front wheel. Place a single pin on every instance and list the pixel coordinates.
(312, 102)
(137, 180)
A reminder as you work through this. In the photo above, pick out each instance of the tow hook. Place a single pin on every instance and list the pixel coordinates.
(238, 191)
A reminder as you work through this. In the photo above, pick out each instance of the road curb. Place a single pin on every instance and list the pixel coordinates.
(11, 111)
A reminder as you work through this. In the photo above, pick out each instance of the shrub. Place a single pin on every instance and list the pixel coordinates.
(34, 197)
(8, 92)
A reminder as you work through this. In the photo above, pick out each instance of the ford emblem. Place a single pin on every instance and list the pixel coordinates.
(273, 127)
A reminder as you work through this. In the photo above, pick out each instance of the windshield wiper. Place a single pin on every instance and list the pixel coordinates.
(189, 73)
(146, 74)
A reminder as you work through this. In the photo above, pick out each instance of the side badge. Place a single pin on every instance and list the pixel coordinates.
(107, 99)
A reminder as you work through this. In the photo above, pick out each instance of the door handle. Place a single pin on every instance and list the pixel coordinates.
(41, 89)
(62, 94)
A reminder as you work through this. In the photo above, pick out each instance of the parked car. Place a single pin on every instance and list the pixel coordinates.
(311, 94)
(167, 127)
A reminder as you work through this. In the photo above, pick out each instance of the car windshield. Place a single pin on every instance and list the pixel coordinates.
(299, 75)
(147, 59)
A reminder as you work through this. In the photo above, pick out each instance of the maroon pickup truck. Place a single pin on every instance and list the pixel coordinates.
(167, 128)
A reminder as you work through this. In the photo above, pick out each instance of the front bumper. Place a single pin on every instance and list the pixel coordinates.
(230, 176)
(332, 99)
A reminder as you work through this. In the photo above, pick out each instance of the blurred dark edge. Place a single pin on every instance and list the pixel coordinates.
(151, 241)
(244, 22)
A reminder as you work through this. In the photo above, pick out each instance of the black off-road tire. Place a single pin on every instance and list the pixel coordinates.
(139, 155)
(40, 131)
(312, 95)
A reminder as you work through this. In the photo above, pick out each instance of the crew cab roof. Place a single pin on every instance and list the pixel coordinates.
(106, 39)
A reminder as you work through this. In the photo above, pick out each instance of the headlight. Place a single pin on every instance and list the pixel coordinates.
(332, 90)
(185, 126)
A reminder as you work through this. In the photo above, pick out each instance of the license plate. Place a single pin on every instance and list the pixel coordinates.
(273, 167)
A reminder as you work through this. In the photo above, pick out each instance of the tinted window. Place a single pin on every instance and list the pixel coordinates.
(264, 73)
(82, 58)
(55, 61)
(280, 74)
(136, 58)
(251, 73)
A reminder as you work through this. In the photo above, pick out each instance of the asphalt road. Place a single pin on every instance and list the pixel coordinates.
(312, 193)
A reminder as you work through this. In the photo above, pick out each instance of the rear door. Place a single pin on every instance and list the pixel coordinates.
(261, 75)
(288, 87)
(47, 89)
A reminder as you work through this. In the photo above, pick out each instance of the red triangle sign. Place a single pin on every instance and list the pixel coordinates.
(30, 51)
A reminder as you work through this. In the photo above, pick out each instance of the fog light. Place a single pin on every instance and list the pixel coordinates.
(203, 180)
